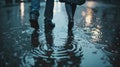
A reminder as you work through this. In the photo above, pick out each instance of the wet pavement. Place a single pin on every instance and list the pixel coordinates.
(93, 42)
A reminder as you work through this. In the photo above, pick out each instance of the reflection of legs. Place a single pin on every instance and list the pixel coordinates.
(34, 13)
(49, 40)
(49, 14)
(48, 23)
(70, 39)
(70, 9)
(35, 38)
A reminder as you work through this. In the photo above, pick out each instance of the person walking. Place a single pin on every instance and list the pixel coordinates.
(48, 24)
(70, 6)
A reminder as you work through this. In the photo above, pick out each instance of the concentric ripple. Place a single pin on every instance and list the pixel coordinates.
(59, 53)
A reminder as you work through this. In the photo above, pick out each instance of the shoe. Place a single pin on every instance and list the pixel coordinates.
(34, 19)
(49, 26)
(34, 24)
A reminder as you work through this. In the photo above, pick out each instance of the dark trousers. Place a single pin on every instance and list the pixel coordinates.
(49, 10)
(35, 6)
(70, 9)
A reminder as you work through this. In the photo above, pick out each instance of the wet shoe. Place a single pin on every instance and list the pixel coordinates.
(34, 19)
(34, 24)
(35, 38)
(49, 26)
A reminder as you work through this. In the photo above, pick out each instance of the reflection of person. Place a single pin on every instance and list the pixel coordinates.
(34, 14)
(74, 55)
(49, 39)
(35, 38)
(70, 39)
(75, 60)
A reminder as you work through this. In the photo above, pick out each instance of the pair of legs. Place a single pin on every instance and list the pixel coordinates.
(70, 9)
(34, 13)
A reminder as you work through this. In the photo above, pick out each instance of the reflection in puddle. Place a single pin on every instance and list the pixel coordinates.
(35, 38)
(91, 25)
(88, 17)
(105, 31)
(90, 4)
(57, 7)
(96, 34)
(22, 9)
(65, 56)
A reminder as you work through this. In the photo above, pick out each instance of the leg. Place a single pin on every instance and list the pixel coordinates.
(70, 9)
(34, 13)
(48, 23)
(49, 15)
(49, 10)
(35, 5)
(73, 9)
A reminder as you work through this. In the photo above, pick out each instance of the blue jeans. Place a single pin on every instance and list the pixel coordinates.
(35, 6)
